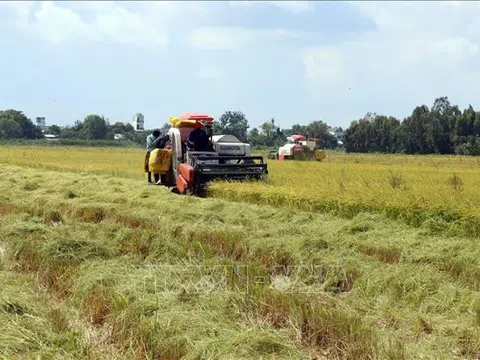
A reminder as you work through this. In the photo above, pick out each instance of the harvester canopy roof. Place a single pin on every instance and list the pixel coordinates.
(298, 138)
(191, 120)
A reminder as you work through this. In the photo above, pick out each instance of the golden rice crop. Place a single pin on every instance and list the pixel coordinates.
(413, 188)
(126, 162)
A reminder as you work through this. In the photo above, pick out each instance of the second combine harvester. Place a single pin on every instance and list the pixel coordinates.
(188, 172)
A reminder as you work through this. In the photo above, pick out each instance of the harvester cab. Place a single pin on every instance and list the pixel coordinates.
(189, 171)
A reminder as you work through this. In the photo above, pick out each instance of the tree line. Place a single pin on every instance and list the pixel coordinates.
(15, 125)
(268, 134)
(441, 129)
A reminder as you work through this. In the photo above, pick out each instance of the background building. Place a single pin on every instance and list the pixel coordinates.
(138, 122)
(40, 121)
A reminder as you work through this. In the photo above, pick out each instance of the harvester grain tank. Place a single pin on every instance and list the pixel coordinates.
(188, 172)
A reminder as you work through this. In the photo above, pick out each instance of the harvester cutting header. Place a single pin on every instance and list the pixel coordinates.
(193, 157)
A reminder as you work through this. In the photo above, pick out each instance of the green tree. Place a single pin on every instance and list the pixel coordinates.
(271, 135)
(118, 128)
(414, 131)
(9, 129)
(358, 136)
(384, 134)
(140, 137)
(110, 135)
(95, 128)
(476, 124)
(319, 130)
(69, 132)
(443, 129)
(73, 132)
(464, 125)
(54, 129)
(25, 129)
(441, 125)
(373, 133)
(255, 138)
(269, 130)
(232, 123)
(129, 128)
(129, 132)
(298, 129)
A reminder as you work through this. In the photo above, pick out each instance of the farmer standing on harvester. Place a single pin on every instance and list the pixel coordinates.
(156, 140)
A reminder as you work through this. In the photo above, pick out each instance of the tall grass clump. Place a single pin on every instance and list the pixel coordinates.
(456, 182)
(396, 180)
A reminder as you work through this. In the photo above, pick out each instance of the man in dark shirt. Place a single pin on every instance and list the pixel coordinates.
(197, 140)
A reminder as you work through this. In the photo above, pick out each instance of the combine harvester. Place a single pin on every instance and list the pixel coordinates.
(188, 172)
(298, 147)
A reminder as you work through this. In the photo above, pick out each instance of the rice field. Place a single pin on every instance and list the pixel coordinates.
(435, 191)
(125, 162)
(96, 264)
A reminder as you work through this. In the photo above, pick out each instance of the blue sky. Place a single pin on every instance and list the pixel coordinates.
(294, 61)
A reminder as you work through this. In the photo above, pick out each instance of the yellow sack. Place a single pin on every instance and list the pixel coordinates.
(176, 122)
(160, 161)
(173, 120)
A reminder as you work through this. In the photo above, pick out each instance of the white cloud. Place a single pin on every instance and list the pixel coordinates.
(209, 72)
(144, 24)
(179, 13)
(233, 38)
(415, 43)
(326, 68)
(417, 48)
(98, 5)
(58, 25)
(420, 19)
(295, 7)
(19, 9)
(456, 47)
(213, 74)
(121, 26)
(241, 3)
(211, 38)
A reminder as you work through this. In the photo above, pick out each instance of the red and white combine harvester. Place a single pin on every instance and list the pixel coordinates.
(298, 147)
(188, 172)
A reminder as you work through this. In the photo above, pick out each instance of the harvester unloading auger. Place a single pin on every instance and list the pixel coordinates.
(188, 172)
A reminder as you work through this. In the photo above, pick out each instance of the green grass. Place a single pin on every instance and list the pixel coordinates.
(97, 266)
(357, 257)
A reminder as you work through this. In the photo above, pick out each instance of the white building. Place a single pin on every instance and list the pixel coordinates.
(336, 131)
(40, 121)
(51, 137)
(138, 122)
